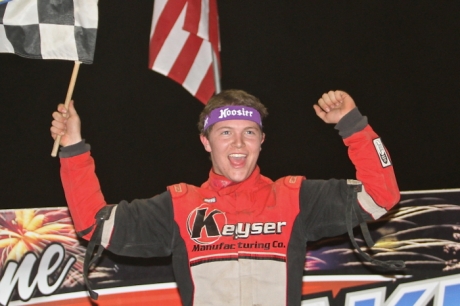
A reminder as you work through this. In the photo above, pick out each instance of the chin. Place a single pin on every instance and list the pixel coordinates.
(239, 177)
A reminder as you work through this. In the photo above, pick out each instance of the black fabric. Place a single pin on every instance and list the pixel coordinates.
(153, 216)
(75, 149)
(322, 208)
(351, 123)
(60, 12)
(180, 262)
(2, 12)
(352, 207)
(85, 231)
(101, 216)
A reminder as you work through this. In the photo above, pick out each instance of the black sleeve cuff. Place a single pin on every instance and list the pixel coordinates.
(351, 123)
(75, 149)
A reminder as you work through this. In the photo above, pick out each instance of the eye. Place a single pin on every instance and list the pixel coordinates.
(225, 132)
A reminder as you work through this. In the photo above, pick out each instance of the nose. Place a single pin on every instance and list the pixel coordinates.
(238, 141)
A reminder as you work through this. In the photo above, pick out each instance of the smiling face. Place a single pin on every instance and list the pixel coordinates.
(234, 146)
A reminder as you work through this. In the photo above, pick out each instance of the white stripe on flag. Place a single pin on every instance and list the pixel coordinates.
(203, 26)
(172, 46)
(157, 10)
(199, 68)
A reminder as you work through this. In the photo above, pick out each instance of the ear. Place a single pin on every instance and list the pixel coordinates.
(263, 138)
(205, 142)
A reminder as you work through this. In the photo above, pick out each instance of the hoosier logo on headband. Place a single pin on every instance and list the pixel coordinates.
(232, 112)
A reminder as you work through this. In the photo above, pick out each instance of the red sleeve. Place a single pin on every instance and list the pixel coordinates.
(82, 190)
(375, 170)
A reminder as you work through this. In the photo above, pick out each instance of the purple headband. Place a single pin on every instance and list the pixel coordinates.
(232, 112)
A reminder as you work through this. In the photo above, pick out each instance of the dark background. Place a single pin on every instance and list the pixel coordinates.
(399, 60)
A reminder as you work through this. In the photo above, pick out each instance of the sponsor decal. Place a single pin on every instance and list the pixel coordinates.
(381, 152)
(224, 113)
(240, 245)
(244, 230)
(211, 200)
(206, 225)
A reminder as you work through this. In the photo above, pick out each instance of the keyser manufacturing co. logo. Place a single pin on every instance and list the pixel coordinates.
(204, 222)
(206, 225)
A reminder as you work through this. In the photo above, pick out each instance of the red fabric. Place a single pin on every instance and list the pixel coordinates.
(82, 190)
(380, 183)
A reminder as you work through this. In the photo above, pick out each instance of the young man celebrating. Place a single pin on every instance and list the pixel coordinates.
(239, 238)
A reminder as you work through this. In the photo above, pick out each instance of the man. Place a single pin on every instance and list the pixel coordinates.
(240, 238)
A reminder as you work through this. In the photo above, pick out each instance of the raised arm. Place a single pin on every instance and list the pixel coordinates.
(81, 186)
(365, 149)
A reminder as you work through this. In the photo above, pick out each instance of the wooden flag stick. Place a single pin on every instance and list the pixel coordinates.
(73, 79)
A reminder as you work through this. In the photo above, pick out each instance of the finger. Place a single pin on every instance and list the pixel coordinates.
(325, 103)
(59, 126)
(61, 108)
(319, 111)
(59, 117)
(57, 129)
(335, 98)
(340, 96)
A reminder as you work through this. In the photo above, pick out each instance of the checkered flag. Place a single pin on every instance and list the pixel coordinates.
(49, 29)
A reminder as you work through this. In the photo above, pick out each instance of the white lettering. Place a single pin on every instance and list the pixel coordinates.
(228, 230)
(279, 225)
(256, 228)
(244, 230)
(269, 228)
(224, 113)
(21, 274)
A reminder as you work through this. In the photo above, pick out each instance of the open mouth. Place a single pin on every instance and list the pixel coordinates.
(237, 159)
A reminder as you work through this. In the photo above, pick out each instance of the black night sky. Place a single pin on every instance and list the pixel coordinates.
(399, 60)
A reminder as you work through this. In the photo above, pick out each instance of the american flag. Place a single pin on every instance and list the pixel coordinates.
(184, 39)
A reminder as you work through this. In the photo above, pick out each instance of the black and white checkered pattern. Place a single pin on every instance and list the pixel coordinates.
(49, 29)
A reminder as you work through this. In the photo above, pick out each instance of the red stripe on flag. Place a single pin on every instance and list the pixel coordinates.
(163, 27)
(207, 87)
(192, 16)
(214, 27)
(185, 59)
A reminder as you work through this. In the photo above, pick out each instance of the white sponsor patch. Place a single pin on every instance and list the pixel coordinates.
(382, 153)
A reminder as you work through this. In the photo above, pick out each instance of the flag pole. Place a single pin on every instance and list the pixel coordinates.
(73, 79)
(215, 67)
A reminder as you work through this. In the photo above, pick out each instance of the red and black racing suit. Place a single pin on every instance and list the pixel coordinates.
(241, 243)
